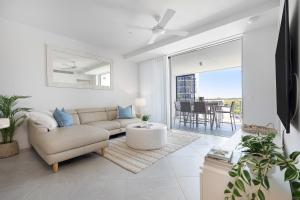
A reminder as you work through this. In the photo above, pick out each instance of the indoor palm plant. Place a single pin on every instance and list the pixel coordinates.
(260, 156)
(16, 116)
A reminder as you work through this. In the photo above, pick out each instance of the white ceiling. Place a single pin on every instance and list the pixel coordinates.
(209, 34)
(217, 57)
(108, 23)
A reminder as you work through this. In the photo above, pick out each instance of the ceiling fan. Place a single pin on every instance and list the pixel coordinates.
(159, 28)
(73, 66)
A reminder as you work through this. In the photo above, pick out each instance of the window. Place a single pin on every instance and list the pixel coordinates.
(103, 80)
(185, 87)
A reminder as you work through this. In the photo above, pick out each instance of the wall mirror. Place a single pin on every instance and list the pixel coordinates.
(67, 68)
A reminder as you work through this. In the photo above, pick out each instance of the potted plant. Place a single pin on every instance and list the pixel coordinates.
(145, 119)
(16, 116)
(251, 173)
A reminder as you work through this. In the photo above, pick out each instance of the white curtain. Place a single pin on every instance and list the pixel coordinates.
(153, 88)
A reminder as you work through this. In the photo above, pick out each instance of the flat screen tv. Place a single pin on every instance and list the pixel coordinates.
(283, 70)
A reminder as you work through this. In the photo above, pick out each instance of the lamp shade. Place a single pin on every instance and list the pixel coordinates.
(140, 102)
(4, 123)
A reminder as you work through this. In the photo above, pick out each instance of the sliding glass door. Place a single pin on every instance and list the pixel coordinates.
(212, 74)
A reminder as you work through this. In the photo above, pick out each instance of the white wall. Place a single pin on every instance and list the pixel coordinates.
(259, 86)
(23, 72)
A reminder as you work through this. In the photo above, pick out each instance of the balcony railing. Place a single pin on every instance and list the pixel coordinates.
(227, 102)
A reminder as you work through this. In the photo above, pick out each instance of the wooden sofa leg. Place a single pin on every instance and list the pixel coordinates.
(100, 152)
(55, 167)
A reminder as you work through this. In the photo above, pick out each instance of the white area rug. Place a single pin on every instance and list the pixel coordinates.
(136, 160)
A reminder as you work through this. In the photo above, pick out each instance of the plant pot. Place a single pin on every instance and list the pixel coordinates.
(145, 123)
(9, 149)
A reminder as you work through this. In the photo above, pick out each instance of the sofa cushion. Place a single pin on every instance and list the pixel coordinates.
(111, 113)
(88, 115)
(107, 125)
(125, 122)
(63, 118)
(67, 138)
(124, 113)
(44, 119)
(74, 115)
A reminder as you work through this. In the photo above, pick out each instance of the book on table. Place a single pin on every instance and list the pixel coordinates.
(220, 154)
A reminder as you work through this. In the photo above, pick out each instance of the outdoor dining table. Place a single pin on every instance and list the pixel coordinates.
(212, 107)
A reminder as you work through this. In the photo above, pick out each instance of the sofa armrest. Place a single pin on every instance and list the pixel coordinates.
(34, 131)
(34, 127)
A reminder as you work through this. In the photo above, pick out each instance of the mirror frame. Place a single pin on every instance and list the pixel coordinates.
(50, 49)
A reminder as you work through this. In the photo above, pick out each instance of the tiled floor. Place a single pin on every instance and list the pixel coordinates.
(224, 130)
(175, 177)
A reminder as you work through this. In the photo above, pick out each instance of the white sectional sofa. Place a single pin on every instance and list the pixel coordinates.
(90, 133)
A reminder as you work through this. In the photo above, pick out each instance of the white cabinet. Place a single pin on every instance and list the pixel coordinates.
(214, 178)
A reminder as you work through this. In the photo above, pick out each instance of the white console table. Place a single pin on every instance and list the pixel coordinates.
(214, 176)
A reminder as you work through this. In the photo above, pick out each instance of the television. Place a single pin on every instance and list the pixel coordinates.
(283, 70)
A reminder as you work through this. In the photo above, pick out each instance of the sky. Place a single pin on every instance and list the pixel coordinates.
(222, 83)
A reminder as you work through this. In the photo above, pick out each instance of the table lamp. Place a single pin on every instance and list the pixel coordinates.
(4, 123)
(139, 103)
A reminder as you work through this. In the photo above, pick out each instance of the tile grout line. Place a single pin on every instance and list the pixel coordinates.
(177, 181)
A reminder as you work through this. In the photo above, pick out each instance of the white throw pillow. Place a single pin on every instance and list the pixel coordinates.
(43, 118)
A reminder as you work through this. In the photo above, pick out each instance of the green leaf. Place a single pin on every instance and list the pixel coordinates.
(294, 155)
(230, 185)
(296, 195)
(296, 186)
(290, 174)
(232, 173)
(282, 167)
(246, 177)
(247, 137)
(239, 170)
(236, 192)
(9, 109)
(263, 162)
(240, 185)
(255, 182)
(227, 191)
(261, 195)
(280, 156)
(266, 183)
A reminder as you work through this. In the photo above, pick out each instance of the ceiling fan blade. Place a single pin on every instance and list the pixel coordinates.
(69, 66)
(152, 39)
(176, 32)
(140, 27)
(166, 18)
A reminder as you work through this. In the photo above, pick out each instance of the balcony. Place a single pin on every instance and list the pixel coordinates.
(219, 121)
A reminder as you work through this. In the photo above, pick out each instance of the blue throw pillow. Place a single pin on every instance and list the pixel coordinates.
(63, 118)
(125, 113)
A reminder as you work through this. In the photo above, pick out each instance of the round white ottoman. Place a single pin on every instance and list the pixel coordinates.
(153, 137)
